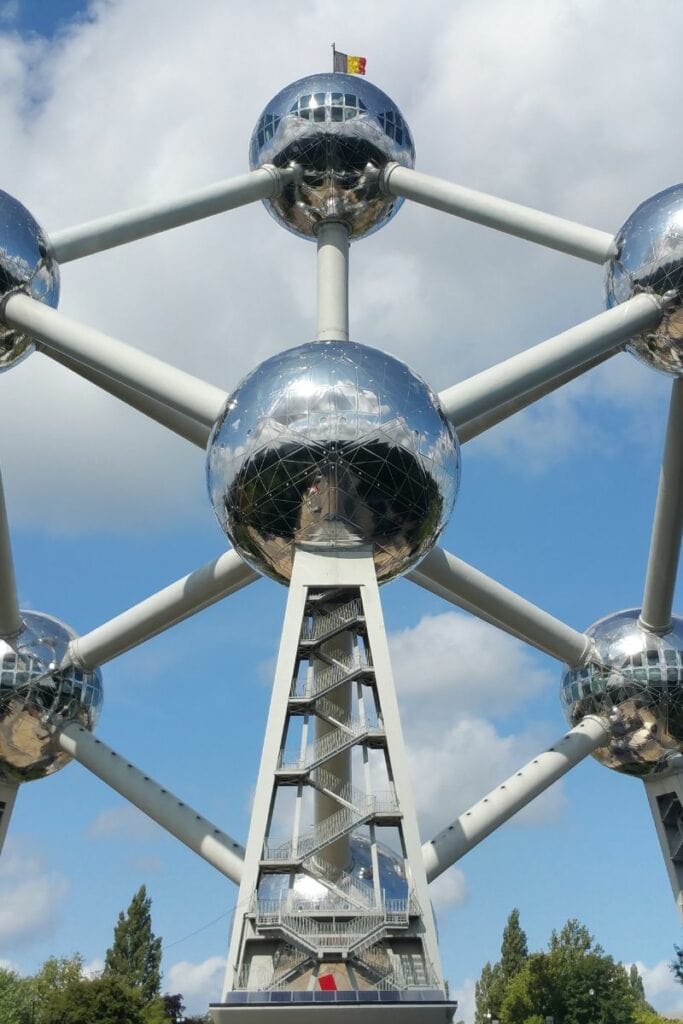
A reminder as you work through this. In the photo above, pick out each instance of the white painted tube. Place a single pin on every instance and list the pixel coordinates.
(506, 800)
(333, 282)
(200, 835)
(11, 623)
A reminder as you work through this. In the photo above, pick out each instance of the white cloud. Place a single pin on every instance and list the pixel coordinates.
(31, 896)
(464, 995)
(123, 822)
(199, 984)
(454, 660)
(93, 968)
(661, 988)
(449, 890)
(83, 139)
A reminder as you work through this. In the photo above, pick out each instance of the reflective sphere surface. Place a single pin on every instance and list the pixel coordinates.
(27, 265)
(308, 890)
(31, 688)
(641, 674)
(332, 445)
(332, 126)
(650, 259)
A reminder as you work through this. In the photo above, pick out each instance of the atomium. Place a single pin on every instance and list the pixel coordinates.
(26, 264)
(33, 688)
(339, 130)
(638, 675)
(332, 445)
(649, 259)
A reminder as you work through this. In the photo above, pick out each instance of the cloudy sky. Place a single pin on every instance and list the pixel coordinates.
(569, 105)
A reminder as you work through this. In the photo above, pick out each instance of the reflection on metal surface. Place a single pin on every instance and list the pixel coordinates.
(31, 689)
(393, 884)
(27, 265)
(641, 675)
(335, 128)
(650, 259)
(332, 445)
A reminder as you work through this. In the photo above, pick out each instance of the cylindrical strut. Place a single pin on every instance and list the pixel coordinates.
(333, 282)
(515, 793)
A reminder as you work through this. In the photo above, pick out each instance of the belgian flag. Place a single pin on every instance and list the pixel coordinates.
(347, 64)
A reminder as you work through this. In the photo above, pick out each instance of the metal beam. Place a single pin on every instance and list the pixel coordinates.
(515, 793)
(333, 282)
(199, 589)
(145, 374)
(11, 623)
(665, 545)
(463, 585)
(8, 795)
(497, 392)
(192, 430)
(665, 797)
(200, 835)
(119, 228)
(522, 221)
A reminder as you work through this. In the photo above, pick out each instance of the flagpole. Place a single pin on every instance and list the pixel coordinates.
(333, 59)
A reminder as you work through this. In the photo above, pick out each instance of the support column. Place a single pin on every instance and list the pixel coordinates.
(8, 794)
(333, 282)
(312, 928)
(665, 796)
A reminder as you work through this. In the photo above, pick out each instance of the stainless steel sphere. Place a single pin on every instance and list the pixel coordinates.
(650, 259)
(309, 890)
(332, 445)
(31, 689)
(336, 128)
(26, 265)
(641, 675)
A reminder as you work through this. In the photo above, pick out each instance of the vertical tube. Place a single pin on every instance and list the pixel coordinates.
(10, 617)
(333, 282)
(665, 545)
(8, 794)
(338, 853)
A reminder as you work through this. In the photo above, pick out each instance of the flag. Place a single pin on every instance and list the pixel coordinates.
(347, 64)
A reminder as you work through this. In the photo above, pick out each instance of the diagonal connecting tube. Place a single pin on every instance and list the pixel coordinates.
(461, 584)
(491, 396)
(181, 599)
(522, 221)
(164, 384)
(119, 228)
(665, 545)
(506, 800)
(200, 835)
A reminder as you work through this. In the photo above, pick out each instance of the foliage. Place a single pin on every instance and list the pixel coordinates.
(574, 981)
(16, 998)
(677, 964)
(135, 954)
(105, 1000)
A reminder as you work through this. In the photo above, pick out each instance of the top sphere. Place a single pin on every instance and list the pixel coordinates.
(32, 689)
(650, 259)
(641, 675)
(332, 126)
(336, 446)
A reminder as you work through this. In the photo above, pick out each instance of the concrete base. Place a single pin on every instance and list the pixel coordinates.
(338, 1012)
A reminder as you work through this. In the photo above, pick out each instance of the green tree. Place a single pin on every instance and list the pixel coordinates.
(135, 954)
(16, 998)
(514, 949)
(636, 983)
(677, 964)
(105, 1000)
(487, 993)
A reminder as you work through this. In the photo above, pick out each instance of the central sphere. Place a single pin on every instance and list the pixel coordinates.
(332, 445)
(640, 674)
(339, 130)
(32, 690)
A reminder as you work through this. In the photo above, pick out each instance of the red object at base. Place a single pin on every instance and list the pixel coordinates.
(327, 982)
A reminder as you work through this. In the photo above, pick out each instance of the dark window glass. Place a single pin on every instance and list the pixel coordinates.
(653, 658)
(361, 105)
(338, 98)
(304, 102)
(670, 657)
(306, 114)
(319, 114)
(672, 675)
(7, 679)
(399, 136)
(350, 100)
(319, 98)
(337, 113)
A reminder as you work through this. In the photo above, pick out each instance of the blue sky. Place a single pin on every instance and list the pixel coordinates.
(540, 105)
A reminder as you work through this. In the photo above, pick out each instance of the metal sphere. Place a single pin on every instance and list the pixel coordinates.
(26, 265)
(336, 446)
(640, 674)
(32, 689)
(650, 259)
(339, 130)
